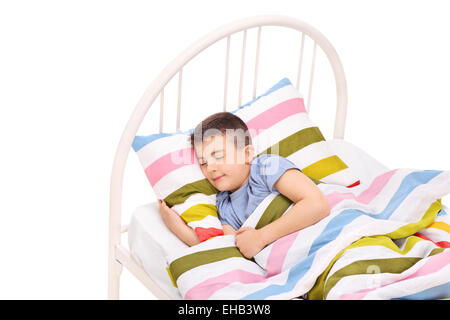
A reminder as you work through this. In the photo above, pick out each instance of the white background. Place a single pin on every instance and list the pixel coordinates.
(71, 73)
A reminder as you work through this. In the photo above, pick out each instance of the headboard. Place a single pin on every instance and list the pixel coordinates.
(175, 68)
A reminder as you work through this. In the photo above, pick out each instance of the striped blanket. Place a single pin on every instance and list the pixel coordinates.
(387, 239)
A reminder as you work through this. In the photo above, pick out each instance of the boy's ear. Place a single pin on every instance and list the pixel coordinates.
(249, 153)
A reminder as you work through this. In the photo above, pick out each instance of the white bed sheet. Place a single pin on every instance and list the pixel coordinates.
(150, 241)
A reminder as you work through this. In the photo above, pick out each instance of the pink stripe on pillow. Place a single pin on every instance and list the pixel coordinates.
(168, 163)
(275, 114)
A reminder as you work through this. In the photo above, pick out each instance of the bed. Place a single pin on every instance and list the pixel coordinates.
(149, 241)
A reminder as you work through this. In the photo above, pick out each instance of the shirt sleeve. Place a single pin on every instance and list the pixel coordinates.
(272, 168)
(223, 220)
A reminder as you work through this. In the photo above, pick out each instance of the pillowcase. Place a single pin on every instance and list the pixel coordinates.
(278, 124)
(174, 173)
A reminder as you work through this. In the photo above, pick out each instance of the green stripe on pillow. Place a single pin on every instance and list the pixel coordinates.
(182, 194)
(325, 167)
(295, 142)
(304, 138)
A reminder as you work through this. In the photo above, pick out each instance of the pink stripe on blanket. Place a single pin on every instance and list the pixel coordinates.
(278, 254)
(275, 114)
(208, 287)
(280, 248)
(434, 264)
(367, 195)
(168, 163)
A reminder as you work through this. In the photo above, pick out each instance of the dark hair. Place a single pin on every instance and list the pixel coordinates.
(220, 122)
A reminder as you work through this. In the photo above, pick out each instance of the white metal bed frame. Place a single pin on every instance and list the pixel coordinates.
(119, 255)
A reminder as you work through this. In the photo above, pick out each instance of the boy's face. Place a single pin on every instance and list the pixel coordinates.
(225, 166)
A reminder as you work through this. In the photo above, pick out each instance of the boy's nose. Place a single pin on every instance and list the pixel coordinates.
(212, 167)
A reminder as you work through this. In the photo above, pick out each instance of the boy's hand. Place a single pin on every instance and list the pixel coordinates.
(249, 242)
(177, 225)
(169, 216)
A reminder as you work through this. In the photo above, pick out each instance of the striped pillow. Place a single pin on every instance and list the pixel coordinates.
(278, 123)
(175, 175)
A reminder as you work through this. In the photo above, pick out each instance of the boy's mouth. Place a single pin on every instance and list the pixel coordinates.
(217, 178)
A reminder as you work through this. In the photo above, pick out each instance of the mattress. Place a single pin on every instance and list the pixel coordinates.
(150, 241)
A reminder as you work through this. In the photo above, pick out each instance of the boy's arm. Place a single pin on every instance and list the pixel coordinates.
(310, 207)
(177, 225)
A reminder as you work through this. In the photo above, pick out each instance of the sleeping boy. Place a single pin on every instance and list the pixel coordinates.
(224, 150)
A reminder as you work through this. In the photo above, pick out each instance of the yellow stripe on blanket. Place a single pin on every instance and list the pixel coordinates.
(440, 225)
(199, 212)
(414, 227)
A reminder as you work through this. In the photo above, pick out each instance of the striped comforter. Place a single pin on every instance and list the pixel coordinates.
(388, 239)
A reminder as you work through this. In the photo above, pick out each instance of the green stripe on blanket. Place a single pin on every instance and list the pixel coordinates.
(188, 262)
(324, 283)
(274, 210)
(389, 265)
(277, 208)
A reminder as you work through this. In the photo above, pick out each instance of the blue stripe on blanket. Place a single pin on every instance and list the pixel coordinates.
(438, 292)
(335, 226)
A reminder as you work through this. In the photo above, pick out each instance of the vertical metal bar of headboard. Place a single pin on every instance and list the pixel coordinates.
(241, 81)
(311, 77)
(227, 62)
(161, 110)
(300, 61)
(258, 41)
(180, 78)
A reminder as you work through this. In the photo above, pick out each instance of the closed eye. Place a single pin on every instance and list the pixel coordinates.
(217, 158)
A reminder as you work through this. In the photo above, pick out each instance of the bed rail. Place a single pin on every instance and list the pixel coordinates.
(156, 89)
